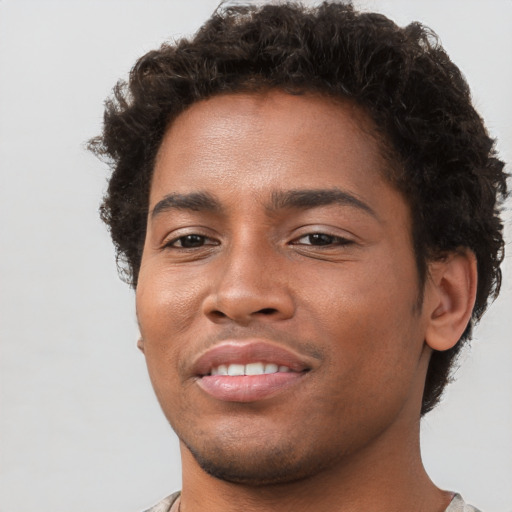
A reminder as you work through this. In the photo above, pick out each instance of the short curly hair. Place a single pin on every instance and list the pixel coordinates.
(449, 171)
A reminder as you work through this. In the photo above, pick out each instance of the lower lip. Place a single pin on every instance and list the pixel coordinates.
(247, 388)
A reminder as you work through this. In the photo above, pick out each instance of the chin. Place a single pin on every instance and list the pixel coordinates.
(257, 465)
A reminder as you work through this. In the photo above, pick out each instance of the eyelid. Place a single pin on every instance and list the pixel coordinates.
(180, 233)
(207, 241)
(341, 237)
(337, 241)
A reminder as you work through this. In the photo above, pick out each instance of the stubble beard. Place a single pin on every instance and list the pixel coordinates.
(266, 466)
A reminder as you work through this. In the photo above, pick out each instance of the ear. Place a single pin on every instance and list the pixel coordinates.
(140, 344)
(450, 297)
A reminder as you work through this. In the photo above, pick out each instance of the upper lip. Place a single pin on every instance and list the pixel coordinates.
(248, 351)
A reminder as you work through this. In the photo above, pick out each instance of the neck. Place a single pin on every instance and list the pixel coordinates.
(386, 476)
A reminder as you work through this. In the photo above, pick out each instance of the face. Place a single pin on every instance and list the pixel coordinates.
(277, 296)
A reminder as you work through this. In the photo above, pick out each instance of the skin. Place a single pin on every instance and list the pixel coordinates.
(348, 431)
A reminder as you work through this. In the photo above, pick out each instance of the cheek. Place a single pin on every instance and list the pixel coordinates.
(373, 348)
(367, 314)
(167, 303)
(378, 292)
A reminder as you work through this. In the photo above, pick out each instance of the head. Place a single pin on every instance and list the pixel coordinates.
(402, 92)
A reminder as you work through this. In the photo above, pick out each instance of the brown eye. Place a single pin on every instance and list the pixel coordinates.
(188, 241)
(320, 239)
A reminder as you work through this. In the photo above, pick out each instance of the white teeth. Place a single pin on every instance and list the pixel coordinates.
(271, 368)
(248, 369)
(236, 369)
(254, 369)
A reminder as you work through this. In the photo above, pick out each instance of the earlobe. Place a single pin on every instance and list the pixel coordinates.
(140, 344)
(451, 297)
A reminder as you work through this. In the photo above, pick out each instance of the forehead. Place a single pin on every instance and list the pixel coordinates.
(249, 143)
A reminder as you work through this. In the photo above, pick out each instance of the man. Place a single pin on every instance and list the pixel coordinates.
(307, 204)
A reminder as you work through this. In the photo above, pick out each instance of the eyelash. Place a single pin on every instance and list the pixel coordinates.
(172, 243)
(198, 241)
(332, 240)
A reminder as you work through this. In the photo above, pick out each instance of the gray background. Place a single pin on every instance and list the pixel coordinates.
(79, 427)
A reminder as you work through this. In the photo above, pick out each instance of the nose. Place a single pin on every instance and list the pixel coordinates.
(249, 284)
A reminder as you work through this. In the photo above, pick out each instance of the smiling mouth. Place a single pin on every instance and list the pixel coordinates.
(258, 368)
(249, 371)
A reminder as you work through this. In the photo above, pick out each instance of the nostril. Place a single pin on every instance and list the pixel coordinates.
(267, 311)
(218, 314)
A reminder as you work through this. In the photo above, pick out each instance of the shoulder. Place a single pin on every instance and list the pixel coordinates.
(165, 505)
(459, 505)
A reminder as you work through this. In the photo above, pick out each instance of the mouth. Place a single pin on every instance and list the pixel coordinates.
(258, 368)
(249, 371)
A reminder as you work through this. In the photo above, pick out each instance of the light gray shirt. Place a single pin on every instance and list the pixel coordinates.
(171, 503)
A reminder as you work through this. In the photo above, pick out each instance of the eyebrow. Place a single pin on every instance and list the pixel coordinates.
(303, 199)
(300, 199)
(195, 201)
